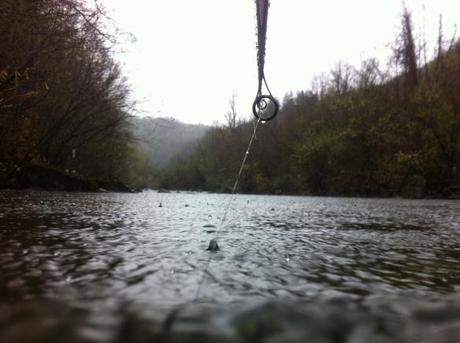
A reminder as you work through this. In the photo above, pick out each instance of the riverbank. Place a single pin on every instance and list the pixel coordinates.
(51, 179)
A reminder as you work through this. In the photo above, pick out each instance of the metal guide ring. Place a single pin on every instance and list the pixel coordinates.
(264, 103)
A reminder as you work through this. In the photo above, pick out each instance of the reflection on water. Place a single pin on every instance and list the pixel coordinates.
(102, 259)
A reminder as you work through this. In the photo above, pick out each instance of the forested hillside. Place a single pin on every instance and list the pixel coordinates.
(384, 129)
(63, 100)
(378, 130)
(159, 142)
(163, 139)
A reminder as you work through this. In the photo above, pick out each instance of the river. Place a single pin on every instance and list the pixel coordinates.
(83, 267)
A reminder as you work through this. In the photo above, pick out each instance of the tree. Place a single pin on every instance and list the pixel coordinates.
(60, 88)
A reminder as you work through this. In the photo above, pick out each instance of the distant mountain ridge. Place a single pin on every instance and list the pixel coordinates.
(162, 139)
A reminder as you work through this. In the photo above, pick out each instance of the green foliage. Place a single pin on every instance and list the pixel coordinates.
(61, 91)
(362, 132)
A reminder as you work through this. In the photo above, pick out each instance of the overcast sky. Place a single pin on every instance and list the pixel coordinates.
(192, 55)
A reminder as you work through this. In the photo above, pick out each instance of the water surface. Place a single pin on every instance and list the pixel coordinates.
(91, 263)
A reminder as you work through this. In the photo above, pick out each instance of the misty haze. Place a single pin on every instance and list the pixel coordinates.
(229, 171)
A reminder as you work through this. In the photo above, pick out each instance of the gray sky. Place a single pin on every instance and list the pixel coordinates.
(192, 55)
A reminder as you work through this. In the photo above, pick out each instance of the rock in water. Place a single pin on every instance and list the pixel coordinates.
(213, 246)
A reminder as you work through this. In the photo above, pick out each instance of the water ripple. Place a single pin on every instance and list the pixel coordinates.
(88, 247)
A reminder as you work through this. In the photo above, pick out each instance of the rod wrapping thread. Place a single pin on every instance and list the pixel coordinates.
(265, 107)
(262, 18)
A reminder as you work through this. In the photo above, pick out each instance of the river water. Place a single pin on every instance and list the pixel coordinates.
(80, 267)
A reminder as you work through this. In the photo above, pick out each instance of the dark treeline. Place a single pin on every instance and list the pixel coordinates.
(63, 101)
(372, 131)
(376, 130)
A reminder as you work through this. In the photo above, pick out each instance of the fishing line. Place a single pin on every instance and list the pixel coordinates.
(230, 200)
(265, 108)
